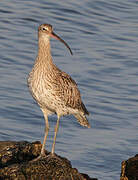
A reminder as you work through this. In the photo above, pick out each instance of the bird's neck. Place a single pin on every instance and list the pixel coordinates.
(44, 52)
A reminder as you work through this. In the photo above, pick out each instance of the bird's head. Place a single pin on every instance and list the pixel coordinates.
(46, 31)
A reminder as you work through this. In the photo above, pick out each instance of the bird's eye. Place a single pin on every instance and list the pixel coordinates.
(45, 29)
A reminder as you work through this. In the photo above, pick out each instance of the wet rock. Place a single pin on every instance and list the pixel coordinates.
(129, 169)
(16, 164)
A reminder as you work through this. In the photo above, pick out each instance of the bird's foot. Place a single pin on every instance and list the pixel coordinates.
(41, 156)
(47, 157)
(53, 156)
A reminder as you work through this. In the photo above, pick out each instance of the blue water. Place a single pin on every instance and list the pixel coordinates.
(103, 36)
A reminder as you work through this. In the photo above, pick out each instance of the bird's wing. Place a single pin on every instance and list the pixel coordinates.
(69, 92)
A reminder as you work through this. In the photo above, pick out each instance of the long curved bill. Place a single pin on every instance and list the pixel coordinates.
(58, 38)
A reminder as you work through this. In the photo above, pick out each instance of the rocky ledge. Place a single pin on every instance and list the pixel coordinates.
(129, 169)
(16, 164)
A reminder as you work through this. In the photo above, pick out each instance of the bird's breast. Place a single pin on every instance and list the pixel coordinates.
(41, 88)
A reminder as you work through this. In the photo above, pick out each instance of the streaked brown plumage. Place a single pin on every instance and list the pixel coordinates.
(54, 90)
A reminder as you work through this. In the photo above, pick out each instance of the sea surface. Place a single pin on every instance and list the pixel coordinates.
(103, 36)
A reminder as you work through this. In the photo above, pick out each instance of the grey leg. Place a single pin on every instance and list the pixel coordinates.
(56, 130)
(46, 131)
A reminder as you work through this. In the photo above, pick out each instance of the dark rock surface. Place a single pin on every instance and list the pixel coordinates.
(129, 169)
(16, 164)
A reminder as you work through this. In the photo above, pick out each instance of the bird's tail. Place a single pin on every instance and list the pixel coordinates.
(82, 120)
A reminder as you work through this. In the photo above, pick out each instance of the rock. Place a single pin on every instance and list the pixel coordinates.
(16, 164)
(129, 169)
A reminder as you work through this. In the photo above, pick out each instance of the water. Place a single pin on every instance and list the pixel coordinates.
(103, 36)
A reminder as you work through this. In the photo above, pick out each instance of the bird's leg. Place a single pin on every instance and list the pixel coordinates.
(45, 137)
(56, 130)
(46, 132)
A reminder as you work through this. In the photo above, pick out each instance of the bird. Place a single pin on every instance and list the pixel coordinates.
(53, 89)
